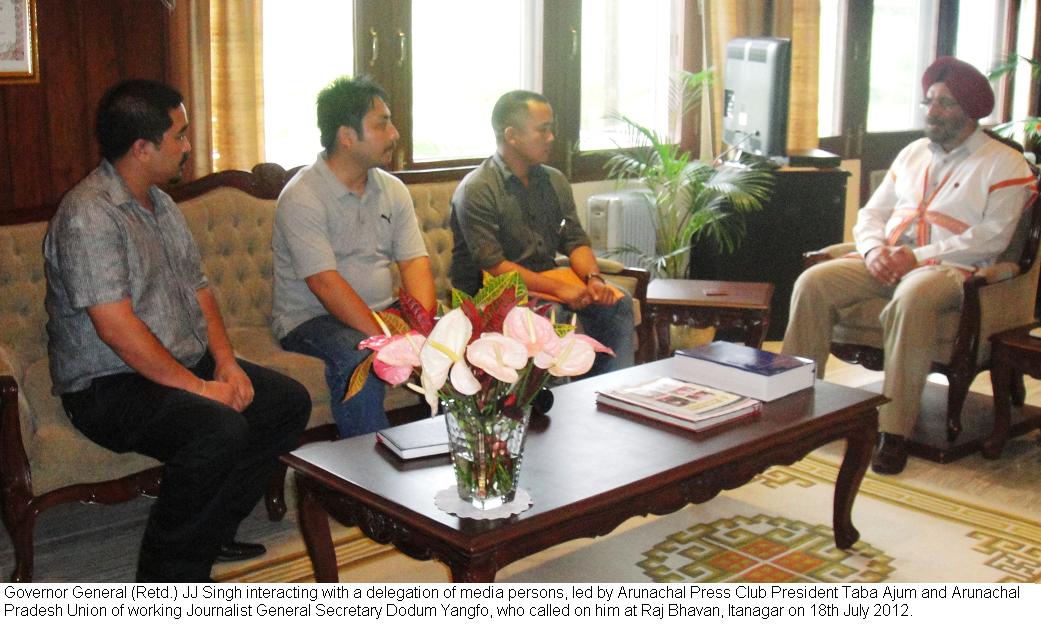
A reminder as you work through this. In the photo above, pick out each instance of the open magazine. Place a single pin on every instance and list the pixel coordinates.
(688, 405)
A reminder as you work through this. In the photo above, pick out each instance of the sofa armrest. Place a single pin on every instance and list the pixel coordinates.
(639, 279)
(998, 272)
(644, 330)
(606, 265)
(827, 253)
(15, 474)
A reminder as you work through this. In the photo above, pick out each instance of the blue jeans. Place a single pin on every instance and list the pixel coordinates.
(612, 326)
(326, 338)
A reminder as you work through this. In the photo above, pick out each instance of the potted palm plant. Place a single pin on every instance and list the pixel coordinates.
(690, 198)
(1030, 127)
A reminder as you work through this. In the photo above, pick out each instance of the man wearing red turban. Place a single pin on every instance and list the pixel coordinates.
(950, 203)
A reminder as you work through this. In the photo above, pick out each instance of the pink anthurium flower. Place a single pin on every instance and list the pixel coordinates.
(532, 330)
(599, 347)
(569, 355)
(442, 357)
(395, 359)
(498, 355)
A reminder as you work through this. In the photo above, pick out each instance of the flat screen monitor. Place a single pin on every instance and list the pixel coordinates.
(755, 95)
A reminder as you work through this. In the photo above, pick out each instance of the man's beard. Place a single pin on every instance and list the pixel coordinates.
(944, 130)
(176, 179)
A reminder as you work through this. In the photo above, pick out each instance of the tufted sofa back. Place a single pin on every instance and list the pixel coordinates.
(433, 210)
(233, 231)
(23, 319)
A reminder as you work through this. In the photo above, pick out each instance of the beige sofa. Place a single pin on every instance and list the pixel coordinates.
(45, 461)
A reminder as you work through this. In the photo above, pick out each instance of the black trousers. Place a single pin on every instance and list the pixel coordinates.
(217, 460)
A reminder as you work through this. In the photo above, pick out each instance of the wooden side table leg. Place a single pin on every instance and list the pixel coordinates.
(314, 525)
(662, 338)
(854, 465)
(755, 330)
(1001, 375)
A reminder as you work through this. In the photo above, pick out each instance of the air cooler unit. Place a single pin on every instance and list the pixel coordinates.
(622, 218)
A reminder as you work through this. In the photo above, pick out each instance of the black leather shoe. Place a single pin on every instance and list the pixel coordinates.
(234, 551)
(890, 454)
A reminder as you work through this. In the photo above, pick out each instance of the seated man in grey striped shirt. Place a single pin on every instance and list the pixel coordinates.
(138, 350)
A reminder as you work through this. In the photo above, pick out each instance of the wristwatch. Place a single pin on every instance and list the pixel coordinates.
(594, 274)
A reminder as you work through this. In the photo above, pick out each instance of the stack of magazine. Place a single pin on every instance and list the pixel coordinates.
(687, 405)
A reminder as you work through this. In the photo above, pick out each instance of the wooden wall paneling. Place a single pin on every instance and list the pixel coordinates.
(101, 65)
(143, 39)
(29, 153)
(46, 129)
(68, 130)
(6, 190)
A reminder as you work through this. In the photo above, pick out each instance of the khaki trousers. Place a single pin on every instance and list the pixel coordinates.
(908, 325)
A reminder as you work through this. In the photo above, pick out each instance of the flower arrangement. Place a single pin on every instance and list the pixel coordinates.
(486, 359)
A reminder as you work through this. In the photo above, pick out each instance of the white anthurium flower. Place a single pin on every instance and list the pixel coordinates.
(442, 357)
(498, 355)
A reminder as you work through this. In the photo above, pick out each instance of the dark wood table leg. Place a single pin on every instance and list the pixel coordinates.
(755, 330)
(854, 465)
(314, 525)
(662, 338)
(473, 569)
(1001, 381)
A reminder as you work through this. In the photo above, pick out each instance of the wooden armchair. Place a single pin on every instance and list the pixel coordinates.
(997, 298)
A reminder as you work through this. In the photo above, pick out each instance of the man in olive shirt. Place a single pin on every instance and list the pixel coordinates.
(514, 213)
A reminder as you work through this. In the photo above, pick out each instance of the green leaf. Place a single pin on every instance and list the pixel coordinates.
(458, 297)
(562, 329)
(495, 285)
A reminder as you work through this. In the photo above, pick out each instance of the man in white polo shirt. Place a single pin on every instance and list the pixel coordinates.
(341, 226)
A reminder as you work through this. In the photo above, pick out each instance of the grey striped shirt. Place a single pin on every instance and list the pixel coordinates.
(101, 247)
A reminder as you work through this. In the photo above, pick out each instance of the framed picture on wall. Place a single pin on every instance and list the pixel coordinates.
(19, 47)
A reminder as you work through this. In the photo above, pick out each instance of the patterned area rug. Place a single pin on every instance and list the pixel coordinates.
(778, 529)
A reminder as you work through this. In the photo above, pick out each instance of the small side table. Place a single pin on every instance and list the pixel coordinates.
(1013, 353)
(741, 306)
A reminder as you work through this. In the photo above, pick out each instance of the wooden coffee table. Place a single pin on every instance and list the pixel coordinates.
(730, 306)
(587, 472)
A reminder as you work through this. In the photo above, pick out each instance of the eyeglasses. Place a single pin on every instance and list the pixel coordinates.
(943, 103)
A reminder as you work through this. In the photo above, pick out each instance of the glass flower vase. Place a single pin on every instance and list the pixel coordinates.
(486, 453)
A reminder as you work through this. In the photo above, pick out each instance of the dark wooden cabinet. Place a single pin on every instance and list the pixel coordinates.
(805, 212)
